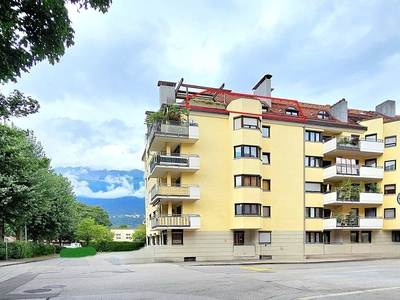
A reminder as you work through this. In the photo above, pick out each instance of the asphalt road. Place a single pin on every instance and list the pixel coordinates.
(98, 278)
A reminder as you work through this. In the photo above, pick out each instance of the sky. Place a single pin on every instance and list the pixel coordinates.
(93, 101)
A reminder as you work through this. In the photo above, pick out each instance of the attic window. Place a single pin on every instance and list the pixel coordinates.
(264, 109)
(322, 114)
(290, 110)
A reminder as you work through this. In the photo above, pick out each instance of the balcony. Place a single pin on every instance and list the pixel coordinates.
(162, 222)
(175, 132)
(175, 163)
(163, 192)
(341, 171)
(350, 222)
(350, 146)
(340, 198)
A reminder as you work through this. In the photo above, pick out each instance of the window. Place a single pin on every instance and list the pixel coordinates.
(390, 141)
(265, 131)
(311, 161)
(322, 114)
(177, 237)
(118, 236)
(247, 122)
(238, 238)
(390, 165)
(128, 236)
(164, 236)
(366, 236)
(266, 185)
(354, 236)
(247, 209)
(266, 158)
(246, 151)
(266, 211)
(396, 236)
(247, 180)
(313, 187)
(370, 212)
(264, 237)
(313, 237)
(371, 162)
(389, 213)
(314, 212)
(313, 136)
(291, 110)
(371, 137)
(390, 189)
(264, 109)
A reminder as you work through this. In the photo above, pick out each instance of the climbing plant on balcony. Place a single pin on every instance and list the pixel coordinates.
(170, 112)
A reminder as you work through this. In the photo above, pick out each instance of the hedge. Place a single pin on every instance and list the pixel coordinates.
(115, 246)
(20, 249)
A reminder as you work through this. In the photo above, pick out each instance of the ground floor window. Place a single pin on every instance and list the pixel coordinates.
(354, 236)
(264, 237)
(164, 237)
(313, 237)
(366, 236)
(327, 237)
(396, 236)
(238, 238)
(177, 237)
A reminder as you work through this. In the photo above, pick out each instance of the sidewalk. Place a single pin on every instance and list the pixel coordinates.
(10, 262)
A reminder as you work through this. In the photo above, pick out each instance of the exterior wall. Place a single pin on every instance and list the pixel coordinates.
(122, 232)
(287, 198)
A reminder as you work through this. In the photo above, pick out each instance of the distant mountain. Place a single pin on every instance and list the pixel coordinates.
(120, 193)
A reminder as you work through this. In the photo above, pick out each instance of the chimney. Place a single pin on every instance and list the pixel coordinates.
(339, 110)
(387, 108)
(167, 92)
(263, 88)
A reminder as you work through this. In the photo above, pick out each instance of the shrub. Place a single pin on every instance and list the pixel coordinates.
(77, 252)
(20, 249)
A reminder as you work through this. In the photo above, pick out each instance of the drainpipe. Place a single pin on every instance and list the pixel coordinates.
(304, 194)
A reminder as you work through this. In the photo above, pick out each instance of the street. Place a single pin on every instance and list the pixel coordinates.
(98, 278)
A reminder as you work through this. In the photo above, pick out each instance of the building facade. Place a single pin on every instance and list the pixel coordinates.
(237, 176)
(122, 234)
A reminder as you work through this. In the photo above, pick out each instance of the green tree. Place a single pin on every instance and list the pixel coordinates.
(19, 164)
(35, 30)
(87, 230)
(139, 236)
(100, 216)
(124, 226)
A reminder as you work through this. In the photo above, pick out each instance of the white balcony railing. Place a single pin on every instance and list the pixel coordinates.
(342, 171)
(161, 163)
(161, 222)
(361, 198)
(340, 145)
(349, 222)
(163, 192)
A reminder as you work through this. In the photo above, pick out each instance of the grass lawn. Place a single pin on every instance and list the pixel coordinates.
(77, 252)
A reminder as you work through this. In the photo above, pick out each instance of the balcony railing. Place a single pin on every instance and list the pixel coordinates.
(162, 162)
(353, 221)
(190, 221)
(339, 145)
(346, 197)
(171, 129)
(165, 191)
(344, 170)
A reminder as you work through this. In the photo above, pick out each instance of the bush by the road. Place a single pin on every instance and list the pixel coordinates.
(104, 246)
(77, 252)
(19, 249)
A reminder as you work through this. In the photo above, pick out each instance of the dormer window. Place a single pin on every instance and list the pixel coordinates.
(264, 109)
(291, 110)
(322, 114)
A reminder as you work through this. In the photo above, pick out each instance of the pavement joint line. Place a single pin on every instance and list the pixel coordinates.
(348, 293)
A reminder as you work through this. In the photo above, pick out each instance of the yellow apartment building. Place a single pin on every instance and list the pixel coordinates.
(123, 234)
(238, 176)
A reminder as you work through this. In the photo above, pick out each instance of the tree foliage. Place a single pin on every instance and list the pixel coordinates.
(17, 105)
(34, 30)
(87, 231)
(31, 193)
(139, 236)
(97, 213)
